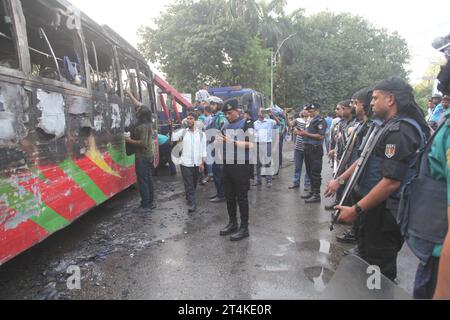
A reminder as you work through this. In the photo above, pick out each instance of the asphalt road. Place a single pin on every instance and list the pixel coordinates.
(171, 254)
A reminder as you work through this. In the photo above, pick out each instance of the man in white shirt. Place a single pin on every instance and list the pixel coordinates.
(193, 157)
(264, 129)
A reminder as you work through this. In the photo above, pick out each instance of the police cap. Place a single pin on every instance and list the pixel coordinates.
(313, 107)
(232, 104)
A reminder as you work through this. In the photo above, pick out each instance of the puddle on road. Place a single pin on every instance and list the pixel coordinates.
(284, 248)
(325, 247)
(322, 246)
(319, 276)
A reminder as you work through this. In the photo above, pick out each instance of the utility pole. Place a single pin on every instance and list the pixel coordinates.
(272, 66)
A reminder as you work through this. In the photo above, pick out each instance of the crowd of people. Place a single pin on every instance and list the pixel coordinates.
(390, 169)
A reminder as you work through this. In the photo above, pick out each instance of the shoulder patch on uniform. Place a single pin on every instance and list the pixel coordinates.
(321, 126)
(390, 150)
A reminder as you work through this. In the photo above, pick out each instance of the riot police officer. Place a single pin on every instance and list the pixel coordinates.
(388, 168)
(236, 139)
(314, 136)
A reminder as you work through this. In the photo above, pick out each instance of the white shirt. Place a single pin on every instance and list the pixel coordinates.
(264, 130)
(193, 148)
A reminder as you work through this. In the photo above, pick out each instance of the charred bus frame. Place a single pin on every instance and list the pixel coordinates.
(63, 114)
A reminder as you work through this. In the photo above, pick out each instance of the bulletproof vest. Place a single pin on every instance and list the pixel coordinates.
(238, 125)
(422, 212)
(372, 174)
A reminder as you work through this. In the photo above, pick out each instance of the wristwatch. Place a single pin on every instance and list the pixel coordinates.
(341, 182)
(358, 209)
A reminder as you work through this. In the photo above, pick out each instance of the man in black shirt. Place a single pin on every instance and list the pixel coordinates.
(314, 137)
(237, 140)
(403, 132)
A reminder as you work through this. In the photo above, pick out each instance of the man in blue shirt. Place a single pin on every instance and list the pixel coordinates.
(165, 151)
(329, 121)
(438, 111)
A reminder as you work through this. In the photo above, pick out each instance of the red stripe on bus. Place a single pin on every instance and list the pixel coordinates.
(110, 185)
(15, 241)
(60, 193)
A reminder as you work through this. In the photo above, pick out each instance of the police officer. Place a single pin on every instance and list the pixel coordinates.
(440, 170)
(361, 101)
(236, 169)
(389, 166)
(314, 136)
(216, 124)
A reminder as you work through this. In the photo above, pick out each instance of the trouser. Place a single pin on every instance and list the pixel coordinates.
(380, 239)
(190, 179)
(252, 172)
(166, 153)
(314, 161)
(144, 175)
(299, 157)
(209, 170)
(281, 145)
(426, 279)
(264, 163)
(327, 142)
(236, 185)
(218, 180)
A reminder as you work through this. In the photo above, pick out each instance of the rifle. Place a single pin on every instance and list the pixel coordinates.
(339, 145)
(372, 141)
(347, 154)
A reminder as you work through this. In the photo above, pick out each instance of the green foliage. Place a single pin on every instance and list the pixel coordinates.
(227, 42)
(254, 68)
(424, 90)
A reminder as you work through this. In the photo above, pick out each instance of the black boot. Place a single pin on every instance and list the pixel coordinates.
(307, 196)
(231, 228)
(241, 234)
(314, 199)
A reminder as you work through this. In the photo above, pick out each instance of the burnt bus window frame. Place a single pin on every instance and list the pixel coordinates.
(121, 55)
(39, 48)
(8, 21)
(92, 44)
(13, 13)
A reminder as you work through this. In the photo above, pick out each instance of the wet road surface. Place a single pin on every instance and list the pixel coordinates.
(170, 254)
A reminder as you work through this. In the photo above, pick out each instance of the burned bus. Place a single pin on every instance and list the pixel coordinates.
(63, 114)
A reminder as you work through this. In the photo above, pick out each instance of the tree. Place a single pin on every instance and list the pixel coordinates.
(227, 42)
(424, 89)
(254, 70)
(338, 55)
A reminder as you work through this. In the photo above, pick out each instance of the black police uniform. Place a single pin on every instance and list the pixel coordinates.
(379, 236)
(314, 157)
(236, 180)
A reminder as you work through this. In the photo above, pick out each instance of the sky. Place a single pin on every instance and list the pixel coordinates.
(418, 21)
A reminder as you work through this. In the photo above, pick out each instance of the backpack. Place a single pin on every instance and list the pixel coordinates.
(422, 214)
